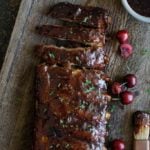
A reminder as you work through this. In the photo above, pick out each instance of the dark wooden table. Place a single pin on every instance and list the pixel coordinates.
(8, 12)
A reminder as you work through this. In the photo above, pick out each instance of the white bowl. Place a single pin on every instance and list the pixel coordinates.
(134, 13)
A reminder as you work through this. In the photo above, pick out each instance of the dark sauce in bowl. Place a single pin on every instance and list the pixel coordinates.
(142, 7)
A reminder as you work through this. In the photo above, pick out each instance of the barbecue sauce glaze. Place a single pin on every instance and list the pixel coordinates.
(141, 6)
(71, 108)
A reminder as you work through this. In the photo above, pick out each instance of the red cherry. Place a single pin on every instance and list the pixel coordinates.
(118, 144)
(126, 97)
(122, 36)
(126, 50)
(116, 88)
(131, 80)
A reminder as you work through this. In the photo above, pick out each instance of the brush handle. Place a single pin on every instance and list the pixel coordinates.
(104, 148)
(141, 145)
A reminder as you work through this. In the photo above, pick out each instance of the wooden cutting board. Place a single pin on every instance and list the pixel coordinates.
(17, 74)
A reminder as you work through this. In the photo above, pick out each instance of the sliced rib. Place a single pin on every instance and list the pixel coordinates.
(89, 57)
(88, 36)
(89, 16)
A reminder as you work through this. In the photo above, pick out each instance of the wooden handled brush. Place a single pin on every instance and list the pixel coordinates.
(141, 122)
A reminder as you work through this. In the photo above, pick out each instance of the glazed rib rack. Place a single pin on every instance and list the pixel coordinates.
(71, 108)
(71, 86)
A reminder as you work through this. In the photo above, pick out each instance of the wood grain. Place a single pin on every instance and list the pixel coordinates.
(8, 13)
(17, 74)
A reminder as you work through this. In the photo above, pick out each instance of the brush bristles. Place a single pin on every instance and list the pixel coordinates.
(143, 133)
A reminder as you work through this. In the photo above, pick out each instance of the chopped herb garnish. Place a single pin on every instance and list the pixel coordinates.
(84, 42)
(89, 89)
(113, 107)
(88, 86)
(51, 55)
(77, 127)
(108, 126)
(71, 32)
(89, 127)
(82, 106)
(64, 126)
(71, 126)
(85, 19)
(77, 58)
(87, 82)
(59, 85)
(44, 110)
(51, 93)
(51, 146)
(90, 16)
(57, 145)
(61, 121)
(61, 99)
(67, 145)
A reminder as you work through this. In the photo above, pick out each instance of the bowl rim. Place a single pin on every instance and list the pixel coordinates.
(134, 13)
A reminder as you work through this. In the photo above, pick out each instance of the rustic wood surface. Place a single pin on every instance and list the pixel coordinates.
(8, 12)
(17, 74)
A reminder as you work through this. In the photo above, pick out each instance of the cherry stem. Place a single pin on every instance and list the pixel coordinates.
(116, 99)
(123, 84)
